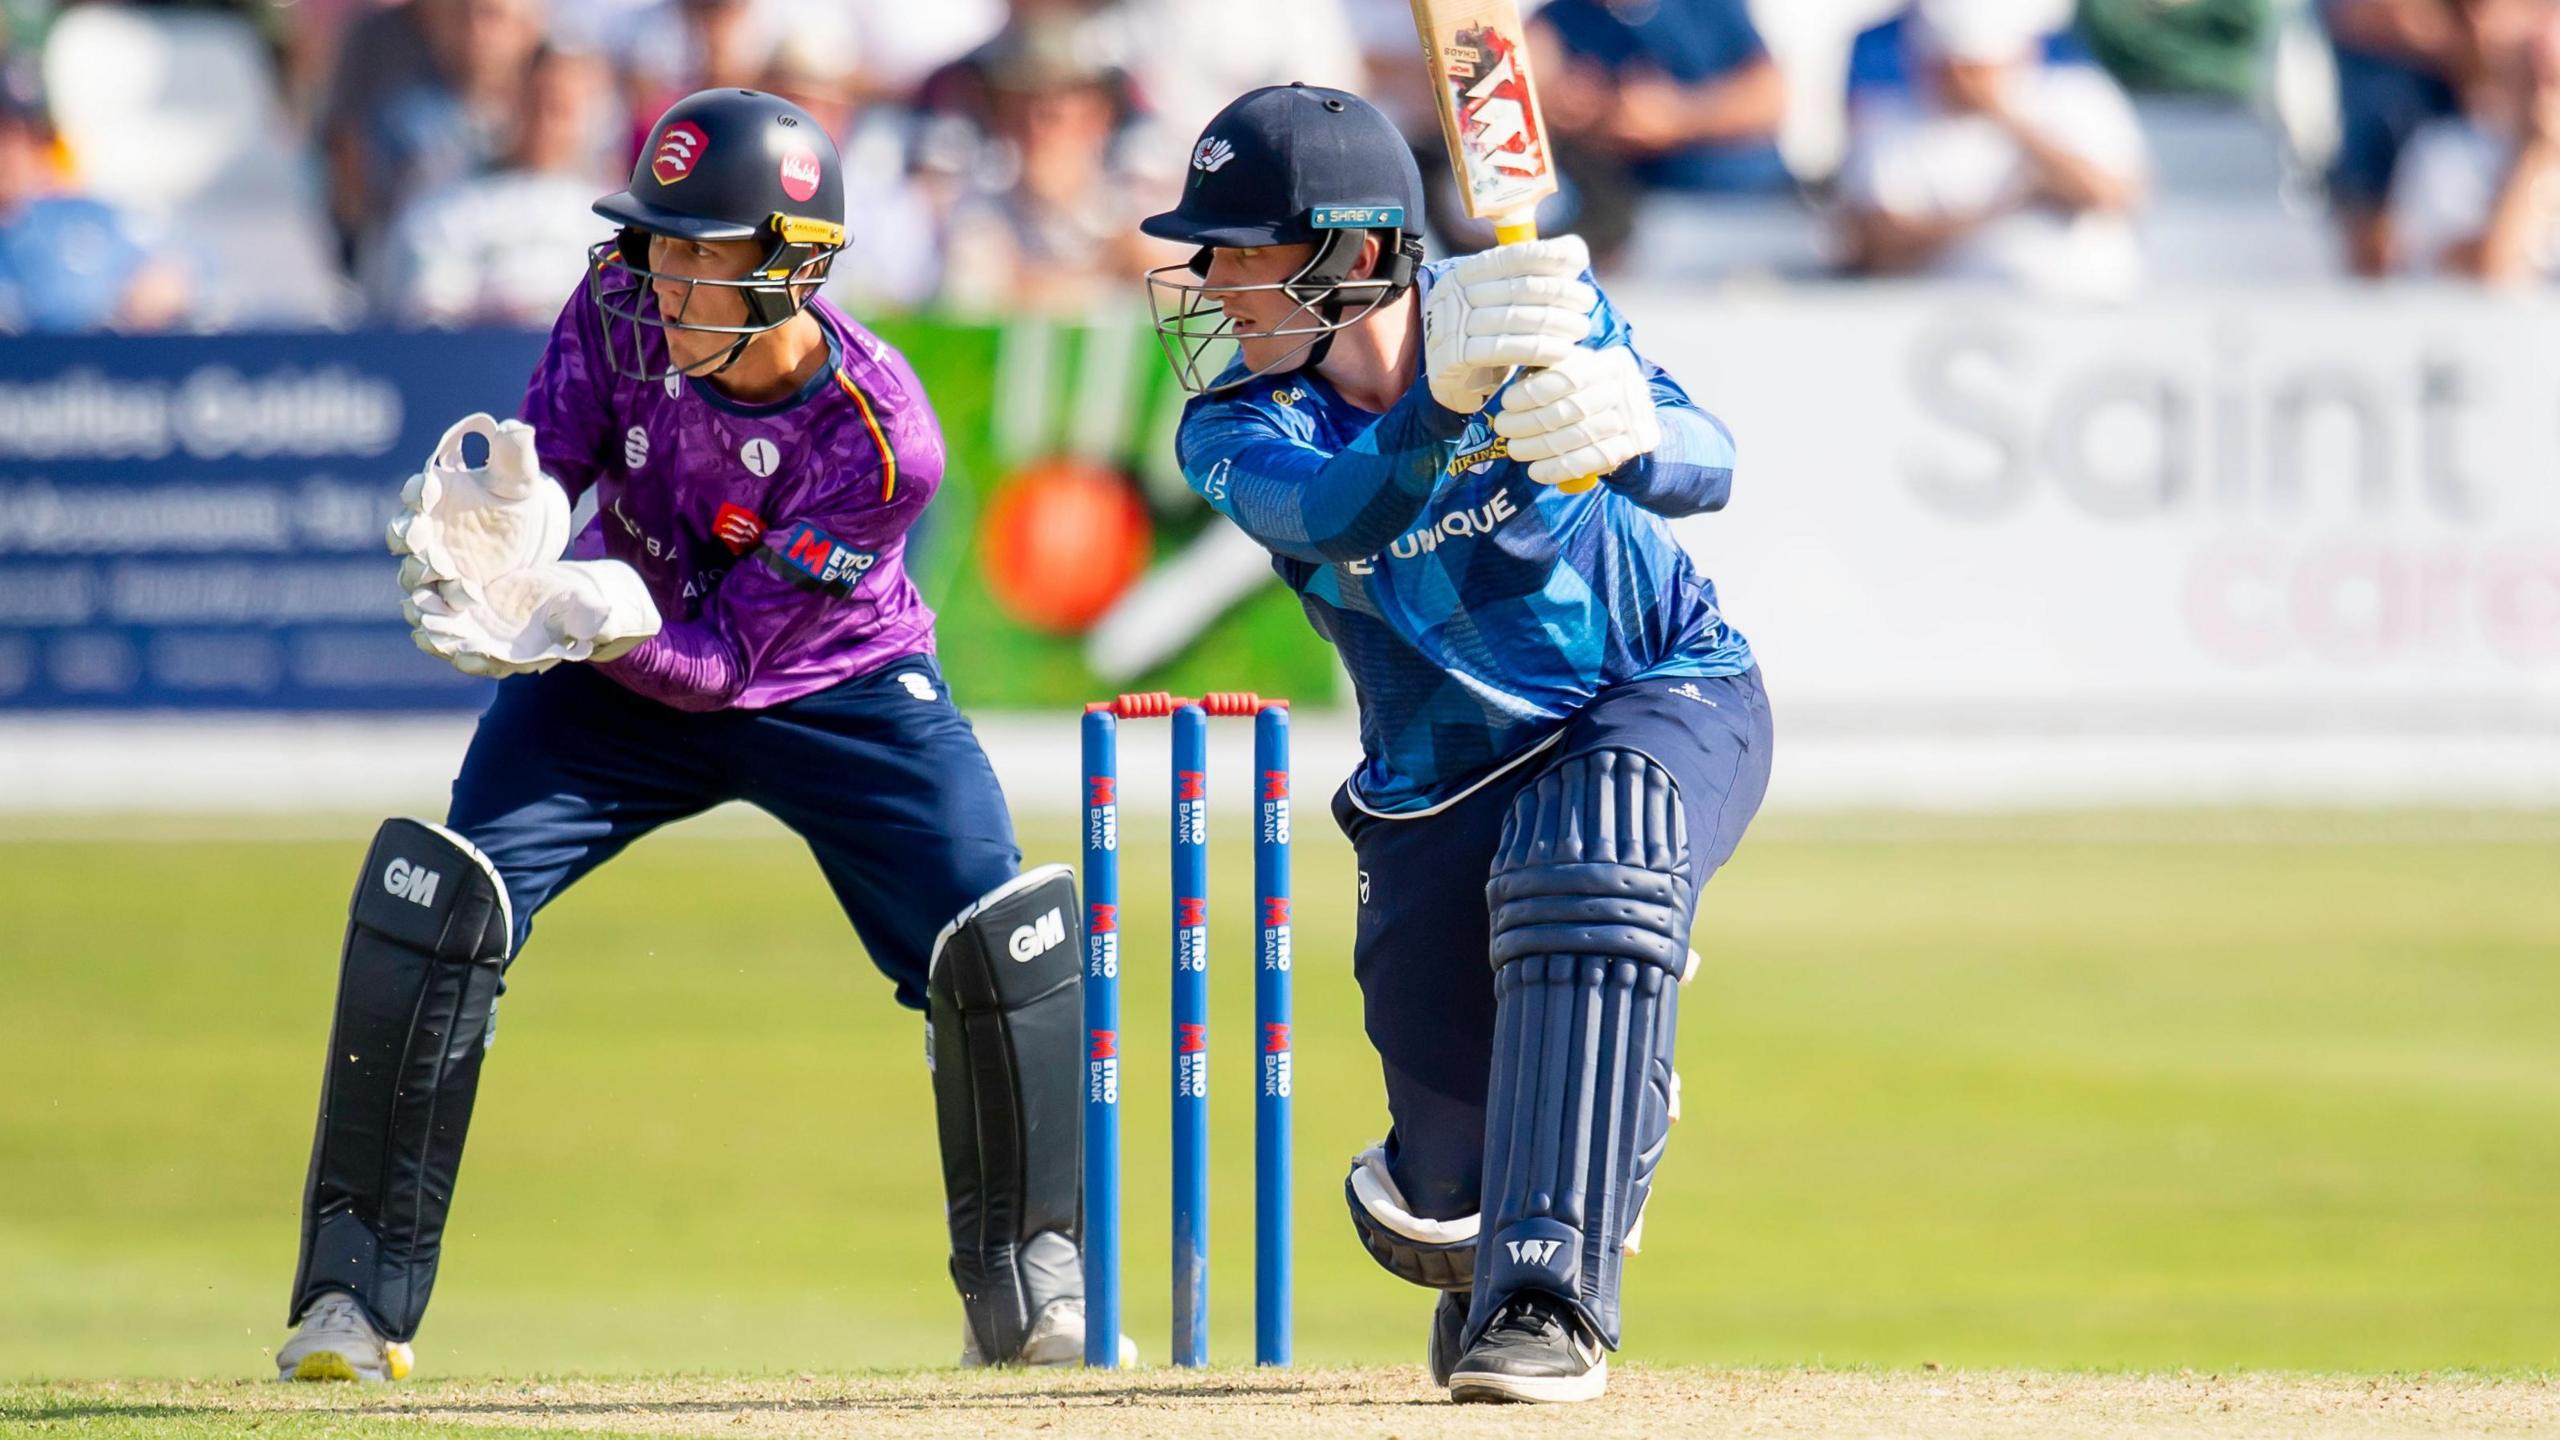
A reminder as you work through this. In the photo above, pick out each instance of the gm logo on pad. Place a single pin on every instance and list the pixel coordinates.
(413, 883)
(1030, 942)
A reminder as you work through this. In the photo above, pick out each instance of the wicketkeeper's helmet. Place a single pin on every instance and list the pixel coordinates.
(721, 165)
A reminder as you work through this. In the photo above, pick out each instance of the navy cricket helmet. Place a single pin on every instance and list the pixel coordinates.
(722, 165)
(1289, 165)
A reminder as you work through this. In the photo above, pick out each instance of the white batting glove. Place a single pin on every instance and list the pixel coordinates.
(1587, 414)
(460, 528)
(1512, 305)
(537, 617)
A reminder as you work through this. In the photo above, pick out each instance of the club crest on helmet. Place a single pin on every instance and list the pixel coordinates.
(679, 146)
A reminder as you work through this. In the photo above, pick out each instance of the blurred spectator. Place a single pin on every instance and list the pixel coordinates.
(2398, 64)
(893, 260)
(1392, 77)
(1188, 58)
(670, 48)
(67, 262)
(1176, 63)
(594, 27)
(311, 33)
(1682, 93)
(1998, 165)
(2181, 47)
(22, 24)
(425, 94)
(1049, 221)
(507, 247)
(681, 46)
(2479, 195)
(902, 43)
(1082, 34)
(1813, 42)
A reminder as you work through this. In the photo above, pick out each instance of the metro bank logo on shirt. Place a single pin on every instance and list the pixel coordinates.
(810, 557)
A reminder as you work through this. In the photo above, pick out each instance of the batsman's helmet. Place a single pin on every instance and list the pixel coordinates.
(1285, 165)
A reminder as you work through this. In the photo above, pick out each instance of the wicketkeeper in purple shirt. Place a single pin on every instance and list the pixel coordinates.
(735, 623)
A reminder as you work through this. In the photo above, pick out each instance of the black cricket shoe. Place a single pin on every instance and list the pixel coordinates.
(1535, 1349)
(1448, 1327)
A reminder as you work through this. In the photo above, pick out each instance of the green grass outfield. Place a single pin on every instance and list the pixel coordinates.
(2087, 1093)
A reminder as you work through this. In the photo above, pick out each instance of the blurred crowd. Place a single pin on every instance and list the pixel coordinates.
(430, 162)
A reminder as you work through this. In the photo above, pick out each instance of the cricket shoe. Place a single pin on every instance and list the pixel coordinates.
(1448, 1327)
(337, 1341)
(1056, 1338)
(1534, 1349)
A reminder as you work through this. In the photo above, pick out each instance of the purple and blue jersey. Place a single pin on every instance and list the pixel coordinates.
(773, 537)
(1475, 609)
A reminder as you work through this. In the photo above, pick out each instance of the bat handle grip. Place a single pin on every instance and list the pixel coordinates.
(1512, 232)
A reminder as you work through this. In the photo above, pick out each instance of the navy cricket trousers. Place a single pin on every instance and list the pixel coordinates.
(881, 775)
(1422, 948)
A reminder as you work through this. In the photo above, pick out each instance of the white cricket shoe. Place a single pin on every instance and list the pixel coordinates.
(337, 1341)
(1056, 1338)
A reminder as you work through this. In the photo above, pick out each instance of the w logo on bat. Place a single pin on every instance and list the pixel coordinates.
(1533, 1252)
(1212, 155)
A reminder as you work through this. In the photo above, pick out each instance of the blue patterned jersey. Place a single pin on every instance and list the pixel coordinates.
(1474, 608)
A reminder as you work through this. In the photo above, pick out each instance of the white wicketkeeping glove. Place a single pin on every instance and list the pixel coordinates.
(460, 528)
(1587, 414)
(1512, 305)
(537, 617)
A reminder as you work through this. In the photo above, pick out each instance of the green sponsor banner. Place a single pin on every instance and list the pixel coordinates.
(1065, 555)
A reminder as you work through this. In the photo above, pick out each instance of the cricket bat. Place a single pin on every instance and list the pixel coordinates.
(1478, 54)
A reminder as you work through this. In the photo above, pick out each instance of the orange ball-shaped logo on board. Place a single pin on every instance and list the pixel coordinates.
(1061, 541)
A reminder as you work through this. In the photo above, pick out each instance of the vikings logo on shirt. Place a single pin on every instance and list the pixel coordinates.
(815, 560)
(1479, 448)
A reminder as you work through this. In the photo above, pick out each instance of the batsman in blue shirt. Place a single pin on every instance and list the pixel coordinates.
(1563, 737)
